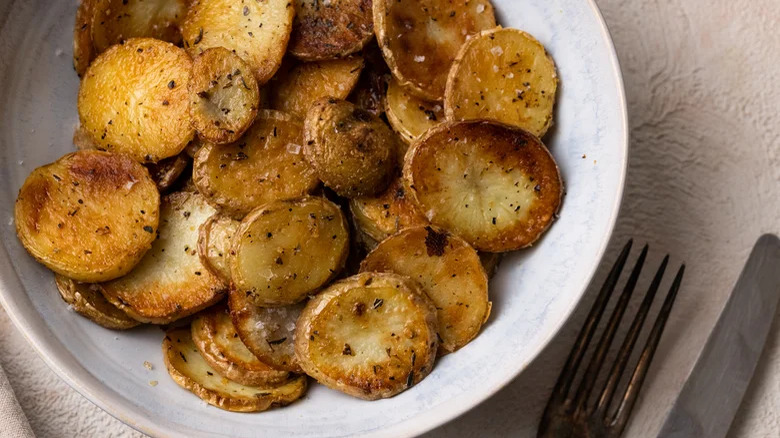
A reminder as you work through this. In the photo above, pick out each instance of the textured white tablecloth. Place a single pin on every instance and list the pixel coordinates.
(703, 85)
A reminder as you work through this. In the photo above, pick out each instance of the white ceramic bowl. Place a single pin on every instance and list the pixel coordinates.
(533, 293)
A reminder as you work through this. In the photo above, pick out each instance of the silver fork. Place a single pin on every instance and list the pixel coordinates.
(570, 413)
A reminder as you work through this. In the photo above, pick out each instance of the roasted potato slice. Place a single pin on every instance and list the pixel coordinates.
(491, 261)
(257, 31)
(265, 165)
(371, 336)
(190, 371)
(308, 82)
(420, 38)
(494, 185)
(83, 48)
(386, 214)
(449, 271)
(166, 173)
(116, 21)
(214, 242)
(224, 96)
(268, 332)
(285, 250)
(333, 29)
(353, 152)
(86, 300)
(90, 216)
(504, 75)
(133, 99)
(216, 338)
(170, 282)
(409, 115)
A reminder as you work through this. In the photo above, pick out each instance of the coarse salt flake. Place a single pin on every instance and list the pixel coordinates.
(419, 58)
(497, 50)
(480, 8)
(294, 149)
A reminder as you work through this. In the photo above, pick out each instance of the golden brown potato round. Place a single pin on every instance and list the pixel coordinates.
(386, 214)
(285, 250)
(224, 96)
(308, 82)
(409, 115)
(333, 29)
(170, 282)
(166, 173)
(214, 242)
(371, 336)
(352, 151)
(257, 31)
(449, 271)
(420, 38)
(190, 371)
(133, 99)
(90, 216)
(265, 165)
(83, 49)
(116, 21)
(216, 338)
(86, 299)
(494, 185)
(504, 75)
(268, 332)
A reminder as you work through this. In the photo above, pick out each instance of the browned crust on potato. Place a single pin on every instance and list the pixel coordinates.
(273, 342)
(83, 49)
(321, 351)
(116, 21)
(448, 270)
(133, 99)
(86, 300)
(353, 151)
(224, 96)
(327, 31)
(170, 282)
(256, 31)
(81, 215)
(370, 91)
(384, 215)
(265, 165)
(420, 38)
(178, 345)
(492, 149)
(504, 75)
(229, 360)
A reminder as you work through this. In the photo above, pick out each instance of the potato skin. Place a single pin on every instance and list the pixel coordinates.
(296, 90)
(403, 320)
(166, 173)
(353, 152)
(285, 250)
(86, 300)
(256, 31)
(214, 242)
(264, 165)
(190, 371)
(495, 185)
(224, 96)
(170, 282)
(133, 99)
(83, 49)
(504, 75)
(89, 216)
(219, 345)
(420, 38)
(382, 216)
(330, 31)
(450, 273)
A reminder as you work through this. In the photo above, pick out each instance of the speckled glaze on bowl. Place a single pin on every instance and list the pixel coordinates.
(533, 293)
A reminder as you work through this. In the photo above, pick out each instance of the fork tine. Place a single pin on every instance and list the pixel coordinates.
(624, 354)
(592, 372)
(566, 377)
(620, 418)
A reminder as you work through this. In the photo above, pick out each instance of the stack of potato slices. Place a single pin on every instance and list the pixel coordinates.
(304, 188)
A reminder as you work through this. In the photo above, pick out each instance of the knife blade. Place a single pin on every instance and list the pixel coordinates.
(713, 391)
